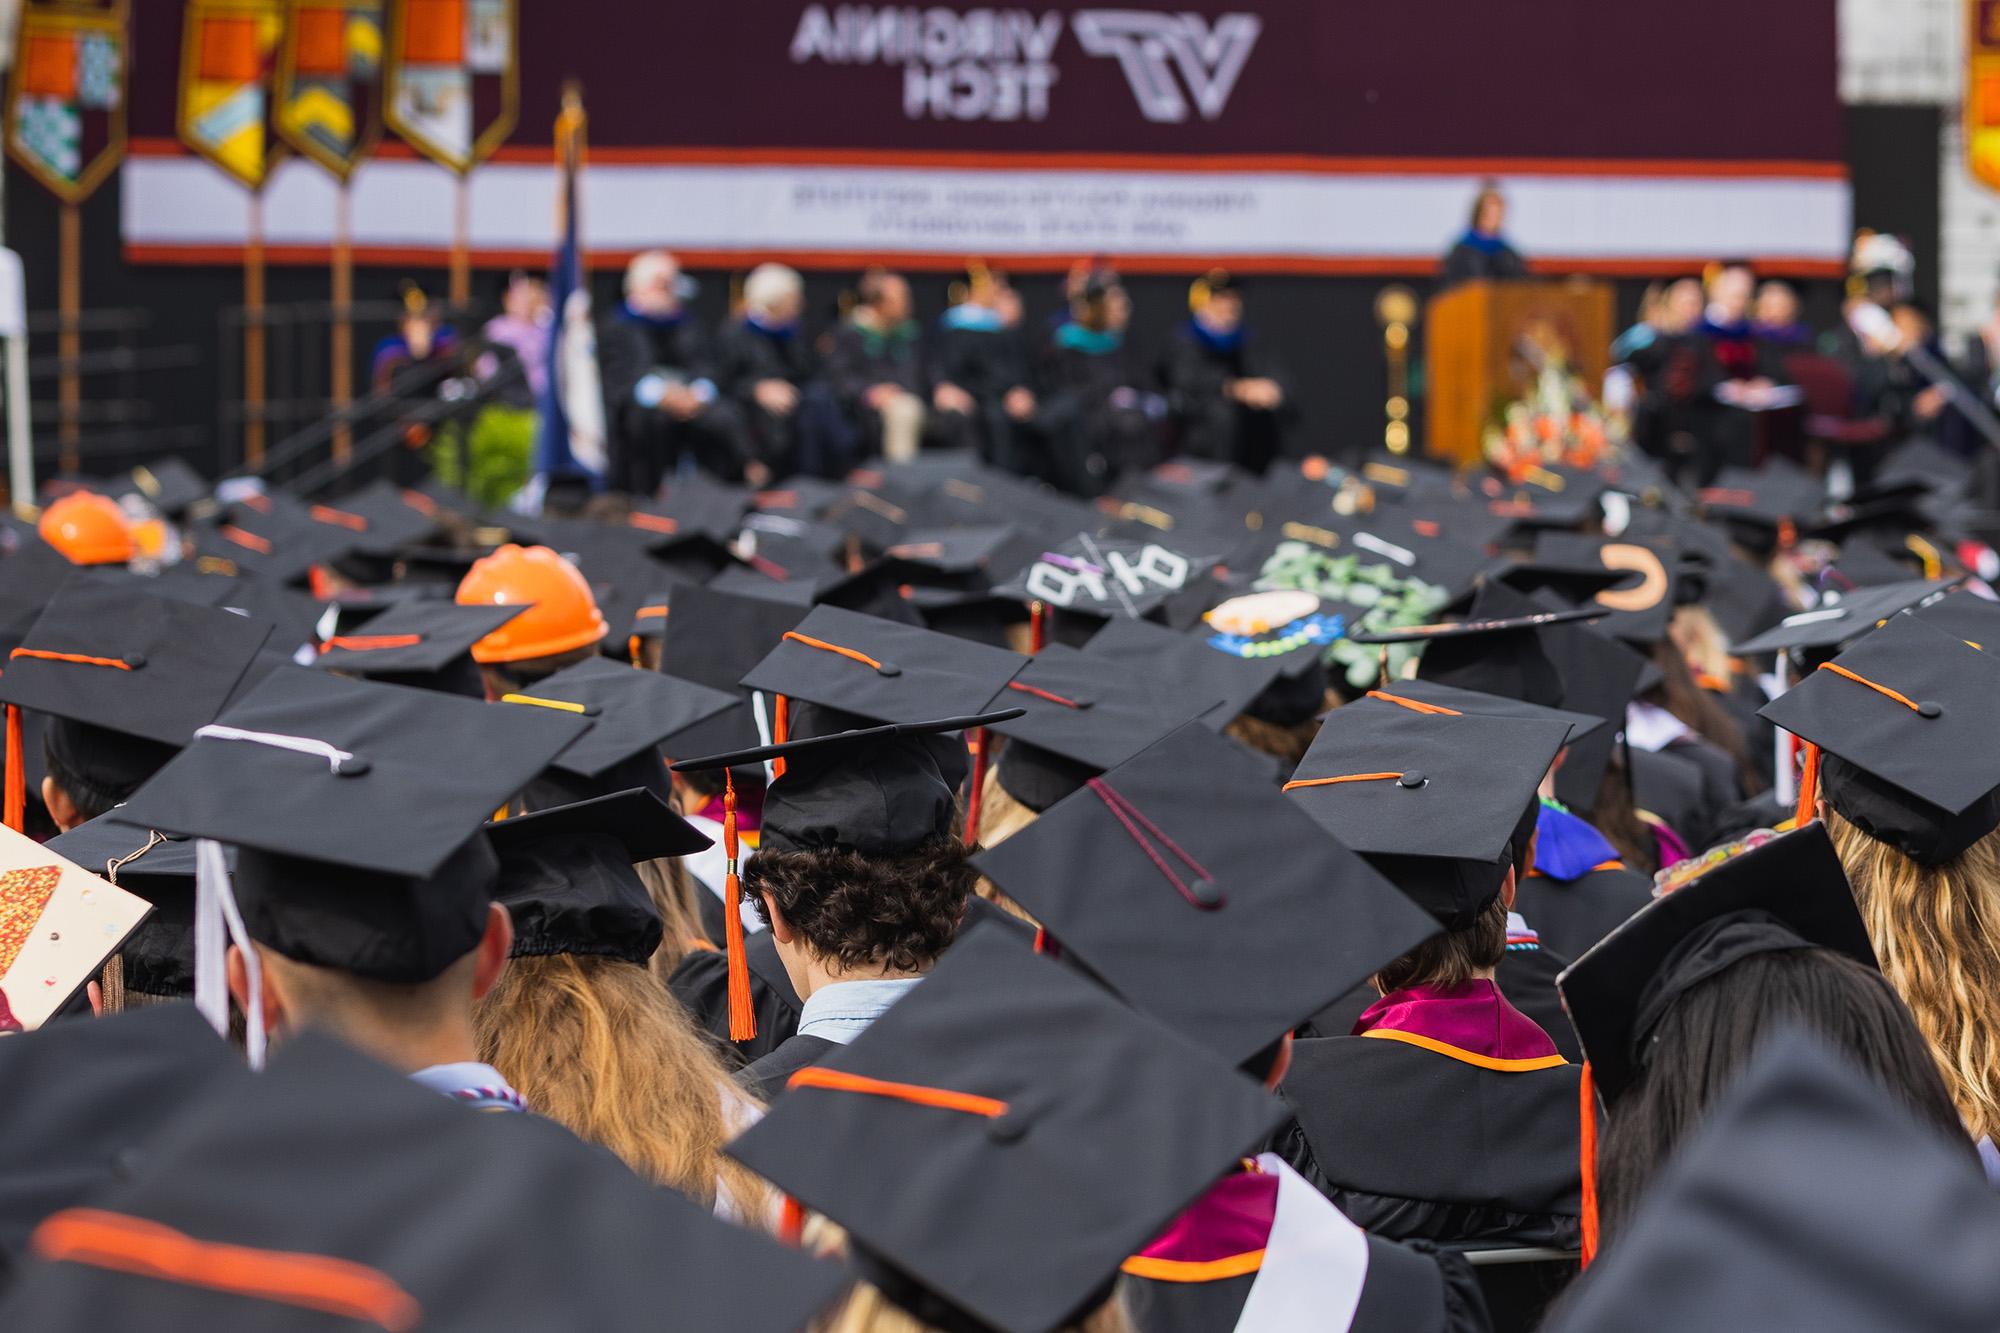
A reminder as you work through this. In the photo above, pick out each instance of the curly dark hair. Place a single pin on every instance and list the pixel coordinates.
(893, 912)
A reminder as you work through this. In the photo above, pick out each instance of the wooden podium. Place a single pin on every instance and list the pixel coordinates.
(1473, 359)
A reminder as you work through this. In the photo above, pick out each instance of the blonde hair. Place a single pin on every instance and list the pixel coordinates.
(1701, 641)
(1936, 931)
(672, 888)
(599, 1046)
(1000, 818)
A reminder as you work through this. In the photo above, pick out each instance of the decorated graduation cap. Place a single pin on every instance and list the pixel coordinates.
(1158, 877)
(1907, 737)
(875, 791)
(355, 809)
(1293, 629)
(1081, 1127)
(1441, 804)
(1761, 1202)
(1430, 696)
(1840, 623)
(1774, 896)
(881, 669)
(58, 924)
(1110, 577)
(1128, 649)
(331, 1188)
(1640, 605)
(158, 958)
(424, 643)
(631, 715)
(81, 1100)
(1079, 717)
(567, 876)
(125, 678)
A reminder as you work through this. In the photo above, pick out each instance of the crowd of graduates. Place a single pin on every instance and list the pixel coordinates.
(1141, 890)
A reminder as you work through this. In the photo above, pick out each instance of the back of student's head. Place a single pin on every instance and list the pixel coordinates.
(861, 913)
(1710, 1033)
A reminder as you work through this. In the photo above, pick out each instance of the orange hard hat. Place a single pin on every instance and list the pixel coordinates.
(562, 614)
(89, 529)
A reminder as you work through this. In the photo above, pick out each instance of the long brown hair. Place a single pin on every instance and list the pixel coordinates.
(672, 887)
(1683, 696)
(599, 1046)
(1936, 931)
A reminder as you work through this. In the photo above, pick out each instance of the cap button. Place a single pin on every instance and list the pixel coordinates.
(1206, 893)
(1009, 1127)
(351, 767)
(1930, 708)
(590, 710)
(1412, 780)
(888, 669)
(134, 660)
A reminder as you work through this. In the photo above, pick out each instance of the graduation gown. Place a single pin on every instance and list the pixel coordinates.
(745, 355)
(765, 1078)
(1263, 1252)
(986, 362)
(647, 443)
(700, 981)
(1097, 421)
(1458, 1123)
(1579, 889)
(1196, 371)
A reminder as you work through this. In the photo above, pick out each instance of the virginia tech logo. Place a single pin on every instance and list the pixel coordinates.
(1150, 47)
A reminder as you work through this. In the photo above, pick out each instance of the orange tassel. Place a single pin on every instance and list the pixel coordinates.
(1037, 626)
(781, 731)
(1587, 1152)
(14, 810)
(634, 644)
(742, 1017)
(792, 1222)
(978, 785)
(1808, 807)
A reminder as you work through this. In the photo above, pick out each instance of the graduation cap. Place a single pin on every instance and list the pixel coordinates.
(82, 1100)
(718, 638)
(1107, 577)
(1762, 510)
(1910, 737)
(1753, 1222)
(332, 1187)
(1450, 698)
(1841, 622)
(1965, 615)
(158, 958)
(356, 810)
(1158, 878)
(1440, 804)
(426, 644)
(567, 877)
(169, 485)
(951, 551)
(125, 677)
(58, 925)
(879, 669)
(631, 715)
(1081, 1127)
(1080, 717)
(1291, 628)
(1496, 649)
(28, 579)
(1788, 893)
(1639, 607)
(1134, 649)
(381, 519)
(1549, 497)
(650, 620)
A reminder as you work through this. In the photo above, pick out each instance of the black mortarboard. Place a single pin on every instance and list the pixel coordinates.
(1840, 623)
(1573, 583)
(81, 1101)
(953, 550)
(631, 714)
(169, 485)
(355, 809)
(879, 669)
(1131, 649)
(382, 518)
(1788, 893)
(1762, 510)
(296, 615)
(650, 620)
(717, 638)
(1496, 649)
(1753, 1222)
(1439, 804)
(1638, 609)
(1965, 615)
(1553, 497)
(1079, 718)
(1481, 704)
(157, 958)
(344, 1187)
(1081, 1127)
(427, 644)
(1293, 629)
(1106, 577)
(567, 877)
(1910, 734)
(878, 791)
(28, 579)
(1158, 878)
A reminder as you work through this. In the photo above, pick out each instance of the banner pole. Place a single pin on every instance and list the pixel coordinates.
(253, 336)
(69, 336)
(461, 243)
(342, 336)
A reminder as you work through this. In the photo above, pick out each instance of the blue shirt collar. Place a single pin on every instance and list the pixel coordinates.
(842, 1011)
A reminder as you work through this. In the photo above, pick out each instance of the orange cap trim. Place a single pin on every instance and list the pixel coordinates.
(1882, 690)
(1348, 777)
(944, 1099)
(80, 659)
(1414, 705)
(851, 654)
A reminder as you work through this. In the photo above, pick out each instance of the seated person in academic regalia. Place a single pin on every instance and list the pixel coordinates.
(1738, 369)
(1448, 1115)
(1673, 1004)
(1097, 419)
(363, 887)
(997, 1147)
(561, 627)
(982, 393)
(1483, 251)
(763, 364)
(664, 408)
(876, 366)
(578, 1025)
(1157, 879)
(1229, 402)
(859, 877)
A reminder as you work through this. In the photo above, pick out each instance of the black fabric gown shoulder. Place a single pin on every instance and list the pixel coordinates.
(1410, 1143)
(701, 983)
(1527, 977)
(765, 1078)
(1572, 915)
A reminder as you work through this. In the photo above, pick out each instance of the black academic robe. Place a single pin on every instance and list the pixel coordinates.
(745, 355)
(647, 444)
(1207, 422)
(1095, 418)
(1671, 786)
(1467, 262)
(701, 983)
(765, 1078)
(1572, 915)
(1527, 977)
(1414, 1144)
(986, 363)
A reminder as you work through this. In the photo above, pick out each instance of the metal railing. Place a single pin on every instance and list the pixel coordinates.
(114, 421)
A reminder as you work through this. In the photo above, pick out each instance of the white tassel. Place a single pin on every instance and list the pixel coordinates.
(215, 912)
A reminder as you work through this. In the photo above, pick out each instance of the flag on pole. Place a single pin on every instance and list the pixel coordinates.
(65, 112)
(570, 442)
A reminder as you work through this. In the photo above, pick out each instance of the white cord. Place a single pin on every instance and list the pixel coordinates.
(333, 755)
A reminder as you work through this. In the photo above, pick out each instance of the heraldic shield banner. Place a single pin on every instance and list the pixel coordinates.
(66, 97)
(328, 70)
(453, 78)
(228, 48)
